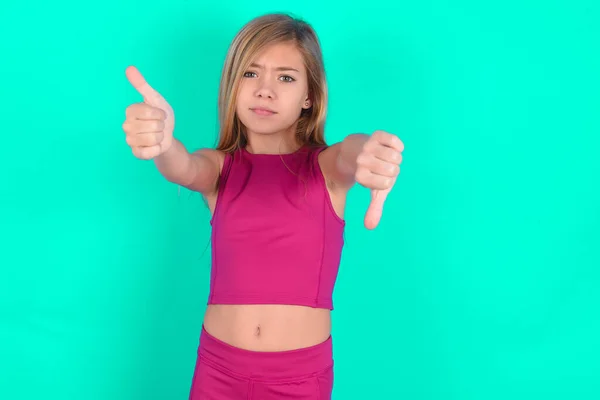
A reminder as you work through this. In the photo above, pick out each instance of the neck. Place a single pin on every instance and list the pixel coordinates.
(272, 144)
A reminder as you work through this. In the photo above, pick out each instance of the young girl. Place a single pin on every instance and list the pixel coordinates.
(276, 192)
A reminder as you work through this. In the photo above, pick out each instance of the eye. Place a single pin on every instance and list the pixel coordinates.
(249, 74)
(288, 78)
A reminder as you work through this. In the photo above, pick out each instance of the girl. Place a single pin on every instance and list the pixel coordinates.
(276, 193)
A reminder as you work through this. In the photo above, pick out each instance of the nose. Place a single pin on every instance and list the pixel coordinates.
(264, 89)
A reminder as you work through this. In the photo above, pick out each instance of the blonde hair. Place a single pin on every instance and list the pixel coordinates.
(249, 41)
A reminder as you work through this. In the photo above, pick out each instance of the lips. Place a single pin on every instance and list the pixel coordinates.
(262, 111)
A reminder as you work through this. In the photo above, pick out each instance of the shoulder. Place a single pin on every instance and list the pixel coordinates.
(209, 166)
(217, 157)
(326, 157)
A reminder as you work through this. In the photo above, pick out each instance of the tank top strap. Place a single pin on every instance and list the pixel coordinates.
(227, 162)
(314, 162)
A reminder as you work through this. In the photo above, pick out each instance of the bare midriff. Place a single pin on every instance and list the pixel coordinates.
(268, 327)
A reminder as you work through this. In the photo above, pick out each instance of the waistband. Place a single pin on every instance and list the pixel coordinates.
(277, 365)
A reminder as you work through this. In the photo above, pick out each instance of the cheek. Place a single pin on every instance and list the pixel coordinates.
(243, 102)
(293, 99)
(245, 91)
(242, 95)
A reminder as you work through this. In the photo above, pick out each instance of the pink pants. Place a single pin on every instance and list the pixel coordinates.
(225, 372)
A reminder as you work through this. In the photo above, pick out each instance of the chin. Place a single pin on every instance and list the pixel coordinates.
(262, 130)
(264, 126)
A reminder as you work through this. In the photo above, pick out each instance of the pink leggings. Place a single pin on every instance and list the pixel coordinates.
(225, 372)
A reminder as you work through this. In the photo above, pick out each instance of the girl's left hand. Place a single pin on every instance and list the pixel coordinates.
(377, 167)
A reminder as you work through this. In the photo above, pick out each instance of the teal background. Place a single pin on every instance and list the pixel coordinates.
(481, 282)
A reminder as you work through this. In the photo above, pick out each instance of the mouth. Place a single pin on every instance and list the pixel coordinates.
(263, 111)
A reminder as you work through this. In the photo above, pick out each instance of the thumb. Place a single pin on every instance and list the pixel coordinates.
(151, 96)
(375, 210)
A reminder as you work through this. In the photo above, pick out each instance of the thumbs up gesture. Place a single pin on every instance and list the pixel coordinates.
(148, 125)
(377, 166)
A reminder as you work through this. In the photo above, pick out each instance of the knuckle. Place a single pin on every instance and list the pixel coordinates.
(142, 140)
(153, 151)
(142, 111)
(399, 143)
(142, 153)
(148, 153)
(151, 140)
(361, 159)
(391, 169)
(393, 156)
(360, 175)
(154, 113)
(368, 146)
(381, 135)
(157, 125)
(133, 109)
(378, 185)
(151, 113)
(146, 139)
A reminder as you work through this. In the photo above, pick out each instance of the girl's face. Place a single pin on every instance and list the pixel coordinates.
(273, 91)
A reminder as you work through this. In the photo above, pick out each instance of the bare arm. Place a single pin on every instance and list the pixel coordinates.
(149, 131)
(198, 171)
(338, 161)
(371, 160)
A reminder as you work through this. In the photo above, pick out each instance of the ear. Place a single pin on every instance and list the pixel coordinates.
(307, 104)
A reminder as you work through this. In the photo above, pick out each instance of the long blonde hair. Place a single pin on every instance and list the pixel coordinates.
(249, 41)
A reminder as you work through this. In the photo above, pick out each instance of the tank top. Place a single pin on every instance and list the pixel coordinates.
(276, 238)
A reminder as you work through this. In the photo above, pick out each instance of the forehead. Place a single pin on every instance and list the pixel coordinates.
(280, 54)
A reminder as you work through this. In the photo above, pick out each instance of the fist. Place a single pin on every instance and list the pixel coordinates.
(149, 124)
(377, 166)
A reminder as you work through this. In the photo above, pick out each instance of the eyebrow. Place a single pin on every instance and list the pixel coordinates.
(254, 65)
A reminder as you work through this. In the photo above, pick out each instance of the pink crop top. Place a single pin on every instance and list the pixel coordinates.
(276, 238)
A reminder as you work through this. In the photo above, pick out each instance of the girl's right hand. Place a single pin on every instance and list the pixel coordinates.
(148, 125)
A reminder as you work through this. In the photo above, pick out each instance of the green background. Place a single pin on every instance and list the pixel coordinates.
(481, 283)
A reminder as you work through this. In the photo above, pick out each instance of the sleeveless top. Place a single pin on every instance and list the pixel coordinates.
(276, 238)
